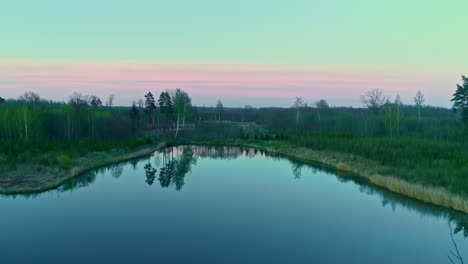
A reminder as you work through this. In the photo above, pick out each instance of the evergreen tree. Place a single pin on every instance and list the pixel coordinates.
(150, 107)
(460, 101)
(134, 116)
(94, 101)
(166, 107)
(219, 109)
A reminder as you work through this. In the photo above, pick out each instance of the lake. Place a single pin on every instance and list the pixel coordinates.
(225, 205)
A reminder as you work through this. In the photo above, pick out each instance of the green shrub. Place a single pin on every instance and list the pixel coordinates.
(3, 160)
(65, 161)
(429, 162)
(44, 159)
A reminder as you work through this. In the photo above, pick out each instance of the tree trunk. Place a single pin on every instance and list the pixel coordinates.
(10, 136)
(89, 127)
(419, 113)
(320, 123)
(159, 119)
(68, 126)
(297, 119)
(26, 124)
(177, 127)
(398, 123)
(183, 118)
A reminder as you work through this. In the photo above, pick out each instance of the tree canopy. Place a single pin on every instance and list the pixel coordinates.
(460, 100)
(374, 100)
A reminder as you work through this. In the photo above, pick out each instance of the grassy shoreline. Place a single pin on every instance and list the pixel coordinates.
(355, 164)
(365, 168)
(57, 178)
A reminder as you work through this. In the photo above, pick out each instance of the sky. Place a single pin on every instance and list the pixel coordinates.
(257, 52)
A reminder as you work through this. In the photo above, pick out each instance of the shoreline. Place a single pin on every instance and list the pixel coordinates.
(79, 169)
(367, 169)
(358, 166)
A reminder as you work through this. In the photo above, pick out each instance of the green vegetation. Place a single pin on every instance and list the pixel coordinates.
(65, 161)
(460, 101)
(361, 167)
(433, 163)
(414, 145)
(3, 160)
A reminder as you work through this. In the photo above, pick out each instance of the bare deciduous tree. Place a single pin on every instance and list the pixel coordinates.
(110, 100)
(141, 104)
(374, 100)
(182, 102)
(322, 107)
(30, 97)
(246, 110)
(28, 110)
(389, 109)
(398, 114)
(219, 109)
(78, 101)
(26, 121)
(419, 100)
(298, 104)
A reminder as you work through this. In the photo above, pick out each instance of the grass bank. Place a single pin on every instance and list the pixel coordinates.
(372, 170)
(345, 157)
(37, 178)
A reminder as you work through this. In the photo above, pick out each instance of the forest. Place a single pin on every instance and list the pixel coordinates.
(418, 140)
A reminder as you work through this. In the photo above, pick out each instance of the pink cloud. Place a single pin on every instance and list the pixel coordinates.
(131, 80)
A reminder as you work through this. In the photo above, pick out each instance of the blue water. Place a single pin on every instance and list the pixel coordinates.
(224, 205)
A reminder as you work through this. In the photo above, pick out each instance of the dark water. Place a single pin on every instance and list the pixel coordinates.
(224, 205)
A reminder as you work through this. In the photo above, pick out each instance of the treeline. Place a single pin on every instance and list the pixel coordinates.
(380, 117)
(171, 111)
(33, 119)
(84, 117)
(30, 122)
(435, 123)
(35, 130)
(30, 118)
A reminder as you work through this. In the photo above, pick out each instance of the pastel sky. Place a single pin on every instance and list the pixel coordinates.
(255, 52)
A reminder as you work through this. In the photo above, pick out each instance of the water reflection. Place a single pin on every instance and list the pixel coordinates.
(79, 182)
(116, 170)
(174, 164)
(150, 173)
(296, 169)
(454, 256)
(134, 164)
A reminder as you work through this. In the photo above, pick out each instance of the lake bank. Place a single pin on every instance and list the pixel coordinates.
(364, 168)
(233, 199)
(33, 179)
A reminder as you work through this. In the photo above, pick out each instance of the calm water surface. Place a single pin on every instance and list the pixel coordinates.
(224, 205)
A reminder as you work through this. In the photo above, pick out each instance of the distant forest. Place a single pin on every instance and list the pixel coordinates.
(31, 118)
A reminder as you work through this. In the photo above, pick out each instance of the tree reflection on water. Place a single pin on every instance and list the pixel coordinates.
(174, 164)
(150, 174)
(175, 168)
